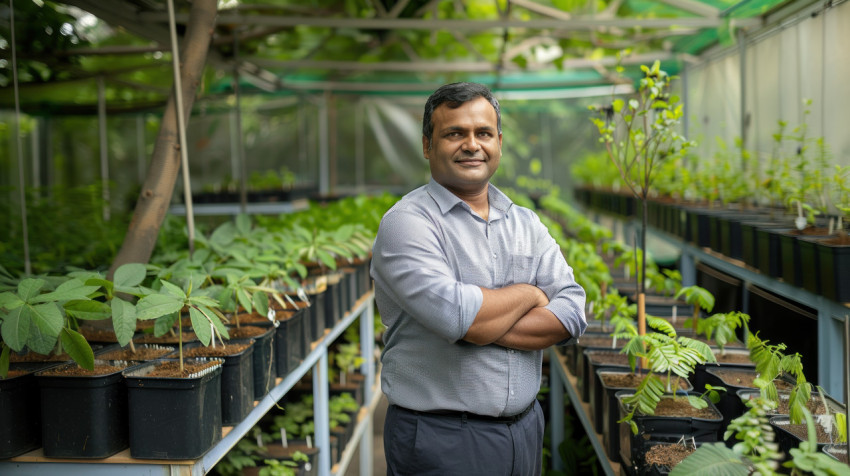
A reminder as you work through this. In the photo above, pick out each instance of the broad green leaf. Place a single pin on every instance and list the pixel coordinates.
(129, 275)
(202, 326)
(48, 318)
(15, 328)
(157, 305)
(76, 346)
(40, 342)
(261, 302)
(223, 235)
(711, 459)
(204, 301)
(105, 283)
(697, 402)
(29, 288)
(243, 223)
(9, 300)
(71, 289)
(87, 309)
(216, 320)
(326, 259)
(617, 105)
(163, 324)
(123, 320)
(244, 299)
(173, 290)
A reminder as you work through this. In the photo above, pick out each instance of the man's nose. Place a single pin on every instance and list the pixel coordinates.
(470, 144)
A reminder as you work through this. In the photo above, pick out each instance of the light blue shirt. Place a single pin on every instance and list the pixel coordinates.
(431, 254)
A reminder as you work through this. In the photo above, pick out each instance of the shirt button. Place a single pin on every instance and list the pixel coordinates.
(512, 392)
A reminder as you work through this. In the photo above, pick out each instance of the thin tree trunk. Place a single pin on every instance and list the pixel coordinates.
(155, 197)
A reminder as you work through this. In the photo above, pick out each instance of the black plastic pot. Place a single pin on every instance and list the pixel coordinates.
(20, 411)
(788, 440)
(332, 305)
(289, 343)
(84, 416)
(769, 251)
(664, 428)
(174, 418)
(596, 390)
(699, 375)
(730, 404)
(834, 270)
(611, 414)
(237, 382)
(263, 361)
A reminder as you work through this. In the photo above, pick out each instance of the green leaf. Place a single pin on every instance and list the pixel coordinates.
(104, 283)
(9, 300)
(69, 290)
(223, 235)
(157, 305)
(617, 105)
(173, 290)
(202, 326)
(326, 259)
(163, 324)
(129, 275)
(87, 309)
(216, 320)
(711, 459)
(15, 328)
(76, 346)
(244, 300)
(40, 342)
(29, 288)
(48, 318)
(697, 402)
(261, 302)
(123, 320)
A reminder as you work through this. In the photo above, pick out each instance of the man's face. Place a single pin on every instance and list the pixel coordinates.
(466, 146)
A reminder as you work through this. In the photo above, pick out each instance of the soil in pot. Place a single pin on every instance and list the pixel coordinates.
(667, 455)
(838, 452)
(32, 357)
(171, 369)
(733, 380)
(790, 435)
(168, 338)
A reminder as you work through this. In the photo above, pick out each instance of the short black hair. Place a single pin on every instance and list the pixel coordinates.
(454, 95)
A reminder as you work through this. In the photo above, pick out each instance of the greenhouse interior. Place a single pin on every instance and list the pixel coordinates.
(258, 224)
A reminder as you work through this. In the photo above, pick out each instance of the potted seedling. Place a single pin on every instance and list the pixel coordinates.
(639, 135)
(171, 395)
(700, 299)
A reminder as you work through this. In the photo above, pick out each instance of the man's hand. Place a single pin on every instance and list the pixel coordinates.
(501, 309)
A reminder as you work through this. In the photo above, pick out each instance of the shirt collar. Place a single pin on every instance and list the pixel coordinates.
(446, 200)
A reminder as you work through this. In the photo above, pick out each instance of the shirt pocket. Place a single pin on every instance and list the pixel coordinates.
(524, 269)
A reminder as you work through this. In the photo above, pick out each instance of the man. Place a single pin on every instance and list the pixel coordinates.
(472, 288)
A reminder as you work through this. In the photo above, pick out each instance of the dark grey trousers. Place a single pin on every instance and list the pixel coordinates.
(418, 444)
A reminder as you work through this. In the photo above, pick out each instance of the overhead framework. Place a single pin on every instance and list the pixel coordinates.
(397, 46)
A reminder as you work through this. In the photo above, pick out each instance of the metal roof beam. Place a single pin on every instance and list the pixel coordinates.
(474, 25)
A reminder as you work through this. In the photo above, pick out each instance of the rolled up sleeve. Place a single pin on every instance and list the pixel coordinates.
(408, 263)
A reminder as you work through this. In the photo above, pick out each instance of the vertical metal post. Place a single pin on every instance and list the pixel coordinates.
(367, 350)
(324, 146)
(104, 153)
(19, 142)
(321, 412)
(359, 148)
(181, 128)
(556, 409)
(240, 145)
(688, 269)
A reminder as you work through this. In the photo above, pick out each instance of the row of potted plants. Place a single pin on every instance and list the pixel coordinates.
(675, 351)
(239, 272)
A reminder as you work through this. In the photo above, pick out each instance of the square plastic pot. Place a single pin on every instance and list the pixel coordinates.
(84, 416)
(20, 410)
(174, 418)
(237, 382)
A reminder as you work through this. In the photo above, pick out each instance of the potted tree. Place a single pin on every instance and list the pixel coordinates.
(640, 134)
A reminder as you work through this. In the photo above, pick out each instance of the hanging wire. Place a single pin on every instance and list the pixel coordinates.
(20, 145)
(181, 128)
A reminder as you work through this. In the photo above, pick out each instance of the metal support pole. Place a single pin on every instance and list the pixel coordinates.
(104, 153)
(556, 410)
(324, 147)
(181, 128)
(367, 350)
(688, 269)
(240, 145)
(19, 142)
(321, 412)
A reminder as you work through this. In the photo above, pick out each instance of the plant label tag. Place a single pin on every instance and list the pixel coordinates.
(283, 440)
(259, 440)
(800, 222)
(309, 441)
(674, 314)
(303, 295)
(271, 314)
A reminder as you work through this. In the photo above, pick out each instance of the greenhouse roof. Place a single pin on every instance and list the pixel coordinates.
(536, 48)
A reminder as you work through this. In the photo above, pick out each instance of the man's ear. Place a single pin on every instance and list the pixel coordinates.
(425, 147)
